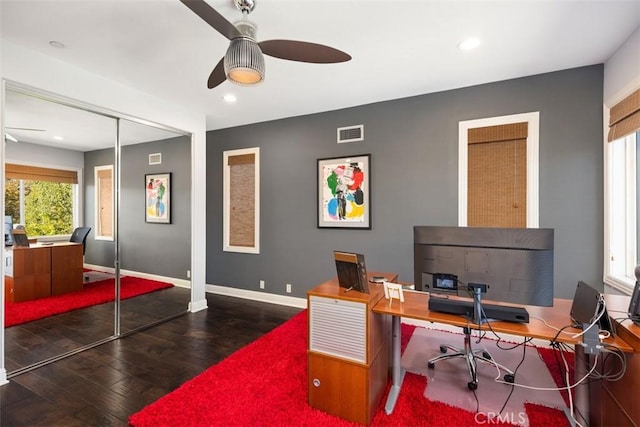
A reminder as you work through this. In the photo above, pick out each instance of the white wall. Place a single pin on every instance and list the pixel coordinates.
(30, 68)
(622, 71)
(39, 155)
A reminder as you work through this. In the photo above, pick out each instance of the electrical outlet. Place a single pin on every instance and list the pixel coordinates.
(261, 284)
(288, 289)
(188, 274)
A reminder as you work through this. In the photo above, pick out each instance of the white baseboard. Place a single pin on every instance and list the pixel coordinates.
(257, 296)
(3, 377)
(181, 283)
(197, 306)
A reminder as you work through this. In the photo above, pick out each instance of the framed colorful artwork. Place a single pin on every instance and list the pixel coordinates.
(158, 198)
(344, 192)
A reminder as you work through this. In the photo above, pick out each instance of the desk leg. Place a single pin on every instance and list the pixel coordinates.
(581, 410)
(398, 372)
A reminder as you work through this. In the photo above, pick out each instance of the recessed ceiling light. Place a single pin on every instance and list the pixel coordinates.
(230, 98)
(56, 44)
(469, 44)
(58, 138)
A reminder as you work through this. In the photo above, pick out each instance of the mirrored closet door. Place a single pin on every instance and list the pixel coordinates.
(69, 166)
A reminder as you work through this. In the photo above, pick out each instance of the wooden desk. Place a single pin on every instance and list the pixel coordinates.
(416, 306)
(348, 352)
(615, 402)
(42, 270)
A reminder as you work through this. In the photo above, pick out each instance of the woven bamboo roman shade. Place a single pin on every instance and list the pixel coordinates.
(624, 117)
(13, 171)
(242, 181)
(497, 176)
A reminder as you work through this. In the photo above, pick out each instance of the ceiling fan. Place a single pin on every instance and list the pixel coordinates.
(243, 63)
(12, 138)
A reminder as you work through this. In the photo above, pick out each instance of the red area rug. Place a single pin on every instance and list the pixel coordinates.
(92, 294)
(265, 384)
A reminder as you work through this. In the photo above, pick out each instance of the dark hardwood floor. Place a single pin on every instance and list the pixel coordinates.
(103, 386)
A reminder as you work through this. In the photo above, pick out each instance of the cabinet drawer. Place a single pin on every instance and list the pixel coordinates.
(338, 328)
(339, 388)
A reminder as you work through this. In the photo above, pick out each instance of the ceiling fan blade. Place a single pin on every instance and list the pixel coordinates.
(213, 18)
(9, 137)
(217, 76)
(29, 129)
(303, 51)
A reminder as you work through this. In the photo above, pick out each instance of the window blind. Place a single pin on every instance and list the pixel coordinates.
(242, 181)
(624, 117)
(497, 176)
(32, 173)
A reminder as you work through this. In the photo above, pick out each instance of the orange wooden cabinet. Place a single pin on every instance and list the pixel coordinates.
(31, 277)
(66, 268)
(41, 271)
(349, 350)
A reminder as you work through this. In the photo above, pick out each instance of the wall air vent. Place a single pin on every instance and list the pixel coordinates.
(155, 158)
(351, 134)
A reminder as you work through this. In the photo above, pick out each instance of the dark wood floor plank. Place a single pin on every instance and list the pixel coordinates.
(103, 386)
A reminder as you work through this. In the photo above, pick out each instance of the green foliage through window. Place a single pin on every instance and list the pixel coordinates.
(48, 206)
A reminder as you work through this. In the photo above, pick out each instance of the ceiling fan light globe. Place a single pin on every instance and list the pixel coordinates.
(244, 62)
(244, 76)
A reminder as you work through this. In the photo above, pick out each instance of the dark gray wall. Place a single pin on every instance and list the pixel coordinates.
(162, 249)
(414, 165)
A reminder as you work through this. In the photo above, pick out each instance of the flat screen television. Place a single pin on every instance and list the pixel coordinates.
(512, 265)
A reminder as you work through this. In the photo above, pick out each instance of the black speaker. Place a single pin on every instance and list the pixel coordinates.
(634, 305)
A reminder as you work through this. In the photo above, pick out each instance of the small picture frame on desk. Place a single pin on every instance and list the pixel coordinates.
(393, 291)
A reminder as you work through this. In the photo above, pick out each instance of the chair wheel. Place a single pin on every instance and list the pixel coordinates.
(431, 365)
(486, 355)
(443, 349)
(509, 378)
(472, 385)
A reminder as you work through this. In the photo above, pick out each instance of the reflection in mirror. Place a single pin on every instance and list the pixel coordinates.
(52, 306)
(154, 224)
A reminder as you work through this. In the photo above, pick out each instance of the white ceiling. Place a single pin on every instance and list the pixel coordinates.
(399, 48)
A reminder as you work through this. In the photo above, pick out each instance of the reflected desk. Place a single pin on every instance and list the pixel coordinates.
(42, 270)
(416, 306)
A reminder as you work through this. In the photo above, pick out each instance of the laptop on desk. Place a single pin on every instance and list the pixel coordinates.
(20, 239)
(587, 305)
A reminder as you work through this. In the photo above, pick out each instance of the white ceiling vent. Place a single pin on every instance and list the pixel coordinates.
(155, 158)
(351, 134)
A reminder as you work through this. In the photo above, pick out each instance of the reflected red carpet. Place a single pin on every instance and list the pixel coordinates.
(92, 294)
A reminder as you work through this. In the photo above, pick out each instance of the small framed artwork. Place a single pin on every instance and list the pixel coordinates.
(344, 192)
(158, 198)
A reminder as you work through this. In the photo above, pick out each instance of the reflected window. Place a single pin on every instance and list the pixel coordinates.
(41, 199)
(622, 227)
(104, 202)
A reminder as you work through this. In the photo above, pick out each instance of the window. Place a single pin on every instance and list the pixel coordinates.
(485, 146)
(43, 200)
(241, 183)
(622, 195)
(103, 176)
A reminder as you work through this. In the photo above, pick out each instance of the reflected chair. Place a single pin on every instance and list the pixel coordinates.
(79, 235)
(471, 356)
